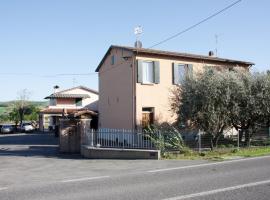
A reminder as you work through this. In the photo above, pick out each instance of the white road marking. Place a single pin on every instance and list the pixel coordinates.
(205, 193)
(3, 188)
(84, 179)
(206, 164)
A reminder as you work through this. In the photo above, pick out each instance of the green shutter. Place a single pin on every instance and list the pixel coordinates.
(139, 71)
(175, 74)
(156, 72)
(190, 70)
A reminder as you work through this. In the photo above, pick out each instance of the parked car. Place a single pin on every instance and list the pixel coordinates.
(7, 129)
(27, 127)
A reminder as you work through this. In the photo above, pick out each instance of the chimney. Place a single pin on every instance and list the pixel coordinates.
(211, 53)
(56, 89)
(138, 44)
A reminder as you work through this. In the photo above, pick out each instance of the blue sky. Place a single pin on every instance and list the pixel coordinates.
(47, 37)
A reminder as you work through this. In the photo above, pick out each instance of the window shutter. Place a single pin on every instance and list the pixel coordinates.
(157, 73)
(190, 70)
(175, 74)
(139, 71)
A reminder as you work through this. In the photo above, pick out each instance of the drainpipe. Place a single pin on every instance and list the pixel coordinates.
(134, 91)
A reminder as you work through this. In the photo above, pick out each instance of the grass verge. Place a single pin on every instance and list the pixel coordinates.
(219, 154)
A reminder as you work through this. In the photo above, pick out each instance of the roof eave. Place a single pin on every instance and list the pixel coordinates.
(106, 54)
(196, 57)
(103, 59)
(171, 54)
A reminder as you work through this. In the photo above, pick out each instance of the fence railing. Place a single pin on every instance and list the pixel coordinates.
(118, 138)
(134, 139)
(201, 140)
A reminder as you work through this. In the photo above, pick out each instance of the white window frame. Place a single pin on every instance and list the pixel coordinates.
(148, 73)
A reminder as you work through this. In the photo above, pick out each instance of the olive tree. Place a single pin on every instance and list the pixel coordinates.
(21, 106)
(249, 104)
(202, 101)
(219, 99)
(14, 116)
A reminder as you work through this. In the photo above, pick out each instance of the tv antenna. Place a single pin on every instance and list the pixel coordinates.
(138, 31)
(216, 42)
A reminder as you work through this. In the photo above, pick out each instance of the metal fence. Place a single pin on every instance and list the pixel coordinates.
(118, 138)
(134, 139)
(230, 139)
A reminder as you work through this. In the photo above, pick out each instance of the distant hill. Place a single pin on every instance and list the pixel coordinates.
(4, 105)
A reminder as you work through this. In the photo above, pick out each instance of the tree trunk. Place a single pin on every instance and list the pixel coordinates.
(211, 142)
(216, 139)
(241, 132)
(21, 114)
(247, 138)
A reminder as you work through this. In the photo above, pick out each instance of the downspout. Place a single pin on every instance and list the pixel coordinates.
(134, 92)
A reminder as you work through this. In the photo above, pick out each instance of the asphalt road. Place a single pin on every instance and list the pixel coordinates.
(50, 175)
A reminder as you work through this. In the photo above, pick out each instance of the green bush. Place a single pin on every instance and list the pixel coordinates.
(166, 138)
(222, 146)
(235, 150)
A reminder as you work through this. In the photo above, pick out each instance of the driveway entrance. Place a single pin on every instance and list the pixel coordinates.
(26, 144)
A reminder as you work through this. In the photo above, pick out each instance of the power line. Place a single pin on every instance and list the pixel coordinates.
(161, 42)
(67, 74)
(47, 75)
(197, 24)
(185, 30)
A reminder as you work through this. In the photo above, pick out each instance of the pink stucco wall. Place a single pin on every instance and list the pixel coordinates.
(116, 93)
(122, 98)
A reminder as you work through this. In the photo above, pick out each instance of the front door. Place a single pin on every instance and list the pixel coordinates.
(147, 117)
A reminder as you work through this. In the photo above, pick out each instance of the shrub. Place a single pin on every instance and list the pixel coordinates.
(166, 138)
(235, 150)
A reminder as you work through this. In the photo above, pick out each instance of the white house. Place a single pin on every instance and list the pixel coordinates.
(67, 101)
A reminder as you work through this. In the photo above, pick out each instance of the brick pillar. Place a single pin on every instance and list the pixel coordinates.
(85, 131)
(70, 136)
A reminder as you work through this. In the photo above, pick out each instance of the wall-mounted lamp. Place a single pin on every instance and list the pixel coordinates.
(126, 57)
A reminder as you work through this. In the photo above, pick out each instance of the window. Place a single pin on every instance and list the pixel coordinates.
(181, 72)
(148, 72)
(112, 60)
(78, 101)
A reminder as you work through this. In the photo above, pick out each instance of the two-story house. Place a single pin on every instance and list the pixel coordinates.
(67, 102)
(135, 83)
